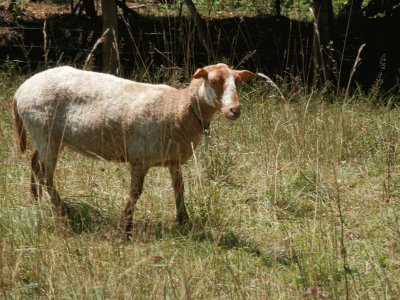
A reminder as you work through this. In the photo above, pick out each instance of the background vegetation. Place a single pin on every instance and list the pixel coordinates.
(299, 198)
(316, 40)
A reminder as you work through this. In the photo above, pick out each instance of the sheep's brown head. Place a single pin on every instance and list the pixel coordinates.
(219, 88)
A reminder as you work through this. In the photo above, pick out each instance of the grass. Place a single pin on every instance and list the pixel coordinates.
(298, 198)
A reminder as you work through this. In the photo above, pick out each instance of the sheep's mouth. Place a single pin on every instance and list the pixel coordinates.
(232, 116)
(231, 113)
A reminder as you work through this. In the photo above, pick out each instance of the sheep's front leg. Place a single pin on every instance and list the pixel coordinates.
(177, 182)
(137, 180)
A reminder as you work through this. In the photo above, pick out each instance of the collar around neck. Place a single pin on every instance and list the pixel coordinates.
(204, 126)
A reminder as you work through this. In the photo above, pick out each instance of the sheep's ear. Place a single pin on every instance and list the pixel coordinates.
(246, 75)
(200, 73)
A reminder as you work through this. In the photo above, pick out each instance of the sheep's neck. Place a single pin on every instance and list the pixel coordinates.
(200, 120)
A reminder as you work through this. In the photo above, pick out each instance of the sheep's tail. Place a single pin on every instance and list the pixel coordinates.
(20, 132)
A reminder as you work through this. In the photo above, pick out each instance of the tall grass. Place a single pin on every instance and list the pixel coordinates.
(298, 198)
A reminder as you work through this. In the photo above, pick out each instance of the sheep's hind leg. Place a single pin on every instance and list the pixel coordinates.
(177, 183)
(137, 179)
(49, 165)
(36, 176)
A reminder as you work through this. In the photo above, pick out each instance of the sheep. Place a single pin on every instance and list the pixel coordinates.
(115, 119)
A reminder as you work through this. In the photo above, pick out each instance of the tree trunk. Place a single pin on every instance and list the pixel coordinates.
(278, 8)
(356, 6)
(323, 17)
(88, 6)
(200, 25)
(110, 43)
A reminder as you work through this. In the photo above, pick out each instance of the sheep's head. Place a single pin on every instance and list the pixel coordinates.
(219, 88)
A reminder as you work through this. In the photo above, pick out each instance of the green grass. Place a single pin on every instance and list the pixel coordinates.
(294, 197)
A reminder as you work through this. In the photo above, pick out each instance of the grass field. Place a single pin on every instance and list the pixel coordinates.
(299, 198)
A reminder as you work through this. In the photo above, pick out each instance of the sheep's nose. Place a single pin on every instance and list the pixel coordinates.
(235, 111)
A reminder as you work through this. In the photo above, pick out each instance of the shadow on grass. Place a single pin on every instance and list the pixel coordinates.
(230, 240)
(84, 217)
(195, 231)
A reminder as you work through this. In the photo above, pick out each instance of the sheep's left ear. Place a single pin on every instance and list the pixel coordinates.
(246, 75)
(200, 73)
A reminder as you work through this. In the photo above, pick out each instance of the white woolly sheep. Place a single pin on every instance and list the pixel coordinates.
(115, 119)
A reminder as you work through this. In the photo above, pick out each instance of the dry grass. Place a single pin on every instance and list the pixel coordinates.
(299, 198)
